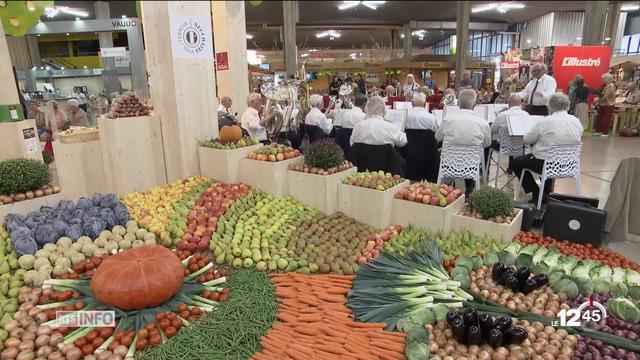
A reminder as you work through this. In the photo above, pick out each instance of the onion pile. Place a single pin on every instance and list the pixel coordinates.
(541, 301)
(303, 167)
(543, 343)
(467, 210)
(28, 195)
(590, 349)
(612, 325)
(127, 105)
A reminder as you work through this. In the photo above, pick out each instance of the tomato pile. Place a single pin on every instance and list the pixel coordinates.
(581, 251)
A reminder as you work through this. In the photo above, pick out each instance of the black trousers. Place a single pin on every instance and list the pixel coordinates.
(528, 183)
(469, 185)
(495, 145)
(537, 110)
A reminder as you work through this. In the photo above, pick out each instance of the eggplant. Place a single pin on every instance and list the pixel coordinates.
(486, 324)
(505, 274)
(470, 317)
(541, 280)
(523, 274)
(502, 323)
(515, 335)
(474, 335)
(497, 270)
(528, 286)
(458, 330)
(511, 282)
(495, 338)
(452, 315)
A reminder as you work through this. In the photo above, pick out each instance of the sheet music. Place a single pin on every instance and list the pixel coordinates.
(450, 108)
(520, 125)
(397, 117)
(481, 111)
(338, 117)
(439, 114)
(402, 105)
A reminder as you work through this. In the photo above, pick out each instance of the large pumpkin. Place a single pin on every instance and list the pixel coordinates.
(138, 278)
(230, 133)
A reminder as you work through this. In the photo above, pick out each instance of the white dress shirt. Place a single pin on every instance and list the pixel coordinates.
(222, 109)
(557, 128)
(351, 117)
(250, 121)
(415, 87)
(464, 127)
(501, 119)
(420, 118)
(377, 131)
(317, 118)
(546, 85)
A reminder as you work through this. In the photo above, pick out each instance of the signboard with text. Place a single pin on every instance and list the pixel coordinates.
(589, 61)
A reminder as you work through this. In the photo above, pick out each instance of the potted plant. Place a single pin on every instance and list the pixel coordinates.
(427, 205)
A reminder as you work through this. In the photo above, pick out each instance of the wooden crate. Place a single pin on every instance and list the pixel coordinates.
(13, 143)
(267, 176)
(369, 206)
(27, 206)
(481, 227)
(132, 153)
(80, 168)
(318, 191)
(434, 218)
(223, 165)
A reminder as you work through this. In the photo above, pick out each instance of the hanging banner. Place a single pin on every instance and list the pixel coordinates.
(222, 61)
(510, 65)
(589, 61)
(191, 37)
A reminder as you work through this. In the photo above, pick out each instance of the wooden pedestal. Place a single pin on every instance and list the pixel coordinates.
(223, 165)
(369, 206)
(132, 153)
(80, 169)
(27, 206)
(481, 227)
(19, 139)
(318, 191)
(434, 218)
(267, 176)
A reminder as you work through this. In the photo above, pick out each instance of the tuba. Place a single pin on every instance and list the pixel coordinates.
(282, 100)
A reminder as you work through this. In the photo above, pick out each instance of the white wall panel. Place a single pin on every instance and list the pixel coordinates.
(539, 31)
(567, 27)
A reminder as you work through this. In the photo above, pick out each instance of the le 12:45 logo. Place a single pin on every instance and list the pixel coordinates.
(589, 311)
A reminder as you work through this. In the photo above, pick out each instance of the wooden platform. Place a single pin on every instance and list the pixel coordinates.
(369, 206)
(80, 169)
(223, 165)
(317, 191)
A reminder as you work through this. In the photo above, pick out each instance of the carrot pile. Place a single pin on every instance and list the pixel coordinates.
(315, 323)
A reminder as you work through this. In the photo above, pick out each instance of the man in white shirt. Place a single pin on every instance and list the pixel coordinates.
(538, 90)
(225, 105)
(315, 116)
(418, 117)
(350, 118)
(464, 127)
(500, 124)
(374, 130)
(557, 128)
(251, 120)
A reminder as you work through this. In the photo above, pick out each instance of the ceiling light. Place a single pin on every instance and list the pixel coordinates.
(630, 7)
(330, 33)
(124, 16)
(34, 68)
(401, 36)
(51, 12)
(48, 68)
(579, 38)
(67, 34)
(500, 7)
(304, 55)
(373, 5)
(31, 5)
(62, 68)
(249, 36)
(38, 35)
(77, 18)
(607, 38)
(85, 66)
(419, 33)
(352, 54)
(41, 67)
(528, 41)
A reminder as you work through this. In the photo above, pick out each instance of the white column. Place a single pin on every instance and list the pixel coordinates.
(595, 15)
(229, 31)
(182, 87)
(407, 41)
(8, 91)
(290, 18)
(462, 34)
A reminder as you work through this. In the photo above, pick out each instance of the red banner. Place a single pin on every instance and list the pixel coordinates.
(222, 61)
(589, 61)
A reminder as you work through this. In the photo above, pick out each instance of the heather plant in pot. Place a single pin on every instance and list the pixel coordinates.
(491, 204)
(322, 157)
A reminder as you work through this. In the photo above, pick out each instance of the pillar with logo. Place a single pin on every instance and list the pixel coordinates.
(230, 39)
(179, 47)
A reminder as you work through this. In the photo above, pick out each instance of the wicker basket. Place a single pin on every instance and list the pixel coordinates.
(77, 137)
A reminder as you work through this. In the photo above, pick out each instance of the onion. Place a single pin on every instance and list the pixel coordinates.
(42, 340)
(44, 351)
(9, 326)
(74, 354)
(104, 355)
(25, 355)
(122, 350)
(26, 345)
(56, 355)
(9, 353)
(56, 338)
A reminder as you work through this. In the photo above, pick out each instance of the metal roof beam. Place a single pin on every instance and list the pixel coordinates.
(451, 25)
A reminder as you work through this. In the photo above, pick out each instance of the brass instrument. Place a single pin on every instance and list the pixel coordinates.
(282, 99)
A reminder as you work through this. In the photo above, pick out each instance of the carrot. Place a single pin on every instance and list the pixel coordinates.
(286, 293)
(306, 330)
(368, 325)
(337, 290)
(386, 345)
(331, 349)
(286, 317)
(308, 300)
(296, 355)
(387, 355)
(316, 317)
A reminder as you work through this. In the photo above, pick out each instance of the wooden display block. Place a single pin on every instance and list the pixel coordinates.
(19, 139)
(132, 153)
(481, 227)
(267, 176)
(318, 191)
(80, 168)
(434, 218)
(369, 206)
(223, 165)
(27, 206)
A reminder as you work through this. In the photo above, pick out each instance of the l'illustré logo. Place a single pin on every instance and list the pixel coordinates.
(574, 61)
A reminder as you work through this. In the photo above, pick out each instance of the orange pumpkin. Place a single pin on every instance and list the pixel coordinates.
(230, 133)
(138, 278)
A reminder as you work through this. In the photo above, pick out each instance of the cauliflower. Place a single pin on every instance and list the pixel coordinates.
(89, 249)
(45, 269)
(100, 242)
(125, 244)
(54, 256)
(130, 237)
(40, 278)
(26, 261)
(132, 224)
(150, 242)
(116, 238)
(140, 233)
(105, 234)
(63, 261)
(111, 247)
(100, 252)
(76, 247)
(64, 242)
(137, 243)
(40, 263)
(76, 258)
(150, 236)
(119, 230)
(29, 276)
(68, 252)
(42, 253)
(59, 270)
(84, 240)
(50, 247)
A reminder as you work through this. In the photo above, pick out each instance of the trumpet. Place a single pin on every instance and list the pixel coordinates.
(293, 94)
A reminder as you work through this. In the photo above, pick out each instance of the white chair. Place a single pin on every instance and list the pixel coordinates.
(460, 162)
(563, 161)
(509, 146)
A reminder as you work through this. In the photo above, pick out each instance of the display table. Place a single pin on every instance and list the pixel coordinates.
(267, 176)
(481, 227)
(132, 153)
(80, 168)
(27, 206)
(369, 206)
(223, 165)
(434, 218)
(19, 139)
(317, 191)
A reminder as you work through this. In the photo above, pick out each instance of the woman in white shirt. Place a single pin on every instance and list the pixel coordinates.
(251, 120)
(315, 116)
(411, 86)
(374, 130)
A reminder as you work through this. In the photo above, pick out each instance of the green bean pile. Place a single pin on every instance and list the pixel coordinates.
(233, 330)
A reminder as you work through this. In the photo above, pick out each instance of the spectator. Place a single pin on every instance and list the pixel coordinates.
(362, 85)
(500, 125)
(225, 105)
(571, 91)
(334, 87)
(410, 85)
(251, 120)
(389, 92)
(82, 99)
(419, 117)
(39, 118)
(580, 105)
(374, 130)
(465, 82)
(606, 103)
(315, 117)
(538, 90)
(632, 94)
(355, 115)
(428, 82)
(78, 116)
